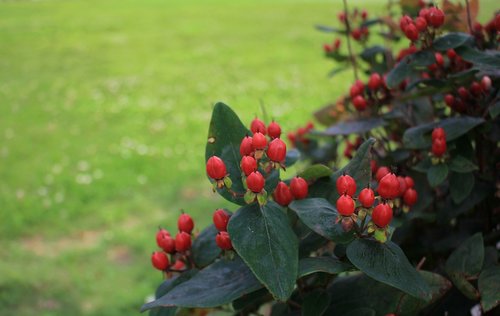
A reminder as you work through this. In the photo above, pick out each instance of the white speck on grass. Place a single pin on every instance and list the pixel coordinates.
(83, 165)
(83, 178)
(142, 179)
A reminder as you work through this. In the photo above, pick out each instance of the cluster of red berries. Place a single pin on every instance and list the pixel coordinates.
(177, 247)
(222, 239)
(334, 47)
(427, 18)
(299, 136)
(490, 30)
(350, 147)
(284, 194)
(361, 32)
(374, 92)
(438, 142)
(465, 99)
(392, 187)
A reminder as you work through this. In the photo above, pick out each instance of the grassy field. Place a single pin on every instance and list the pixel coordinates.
(104, 110)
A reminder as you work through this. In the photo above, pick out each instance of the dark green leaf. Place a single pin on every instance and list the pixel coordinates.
(451, 40)
(353, 127)
(489, 288)
(461, 185)
(461, 164)
(436, 174)
(253, 299)
(370, 53)
(262, 236)
(167, 286)
(363, 311)
(464, 286)
(336, 71)
(386, 262)
(423, 165)
(419, 137)
(328, 265)
(486, 59)
(407, 66)
(468, 258)
(205, 250)
(315, 172)
(328, 29)
(479, 193)
(292, 156)
(315, 303)
(218, 284)
(495, 110)
(320, 216)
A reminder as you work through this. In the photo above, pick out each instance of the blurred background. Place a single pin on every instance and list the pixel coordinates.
(104, 112)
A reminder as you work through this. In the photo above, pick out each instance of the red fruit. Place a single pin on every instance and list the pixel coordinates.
(410, 197)
(257, 126)
(463, 93)
(167, 243)
(274, 130)
(382, 215)
(246, 147)
(159, 260)
(449, 99)
(366, 197)
(438, 132)
(220, 219)
(486, 82)
(439, 59)
(388, 187)
(497, 22)
(182, 242)
(327, 48)
(345, 205)
(159, 235)
(373, 166)
(359, 103)
(282, 194)
(420, 24)
(424, 13)
(411, 32)
(356, 34)
(375, 81)
(439, 147)
(179, 265)
(451, 53)
(223, 241)
(478, 28)
(310, 126)
(382, 172)
(299, 188)
(255, 182)
(409, 182)
(436, 17)
(346, 185)
(291, 137)
(341, 17)
(248, 164)
(364, 14)
(402, 186)
(476, 89)
(259, 141)
(276, 151)
(185, 223)
(216, 169)
(404, 22)
(356, 88)
(336, 44)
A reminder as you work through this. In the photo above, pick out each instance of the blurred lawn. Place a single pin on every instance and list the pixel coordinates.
(104, 110)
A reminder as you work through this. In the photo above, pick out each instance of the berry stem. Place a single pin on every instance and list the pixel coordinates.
(469, 20)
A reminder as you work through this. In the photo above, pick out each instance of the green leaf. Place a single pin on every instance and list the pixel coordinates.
(419, 137)
(262, 236)
(315, 172)
(436, 174)
(423, 165)
(483, 59)
(329, 29)
(292, 156)
(315, 303)
(407, 66)
(451, 40)
(328, 265)
(218, 284)
(353, 127)
(464, 286)
(494, 110)
(489, 288)
(386, 262)
(253, 299)
(461, 185)
(481, 191)
(320, 216)
(363, 311)
(205, 250)
(468, 258)
(462, 165)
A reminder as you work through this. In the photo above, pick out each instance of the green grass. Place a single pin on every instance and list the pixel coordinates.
(104, 110)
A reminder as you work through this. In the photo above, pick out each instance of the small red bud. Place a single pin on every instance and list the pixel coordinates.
(248, 164)
(411, 32)
(409, 182)
(276, 150)
(366, 197)
(359, 103)
(436, 17)
(220, 219)
(160, 234)
(388, 187)
(299, 188)
(449, 99)
(216, 169)
(438, 147)
(282, 194)
(255, 182)
(375, 81)
(382, 215)
(404, 22)
(274, 130)
(168, 244)
(346, 185)
(410, 197)
(382, 172)
(159, 260)
(185, 223)
(420, 24)
(257, 126)
(246, 147)
(223, 241)
(259, 141)
(438, 132)
(345, 205)
(486, 82)
(182, 242)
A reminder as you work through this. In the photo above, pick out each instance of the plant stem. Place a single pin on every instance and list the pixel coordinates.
(469, 20)
(348, 39)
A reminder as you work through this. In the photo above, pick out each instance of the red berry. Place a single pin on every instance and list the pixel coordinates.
(178, 265)
(185, 223)
(274, 130)
(248, 164)
(159, 260)
(404, 22)
(410, 197)
(291, 137)
(402, 186)
(182, 242)
(216, 169)
(388, 187)
(439, 147)
(424, 13)
(257, 126)
(463, 93)
(411, 32)
(310, 126)
(375, 81)
(366, 197)
(246, 147)
(345, 205)
(451, 53)
(382, 215)
(436, 17)
(420, 24)
(299, 188)
(160, 234)
(341, 17)
(449, 99)
(439, 59)
(259, 141)
(282, 194)
(327, 48)
(276, 151)
(486, 82)
(409, 182)
(438, 132)
(356, 88)
(223, 241)
(255, 182)
(220, 219)
(364, 14)
(336, 44)
(476, 89)
(359, 103)
(373, 166)
(356, 34)
(167, 243)
(382, 172)
(346, 185)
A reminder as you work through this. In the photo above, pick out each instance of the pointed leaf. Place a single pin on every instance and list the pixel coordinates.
(328, 265)
(386, 262)
(451, 40)
(461, 164)
(468, 258)
(407, 66)
(489, 287)
(315, 172)
(461, 185)
(262, 236)
(437, 174)
(204, 249)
